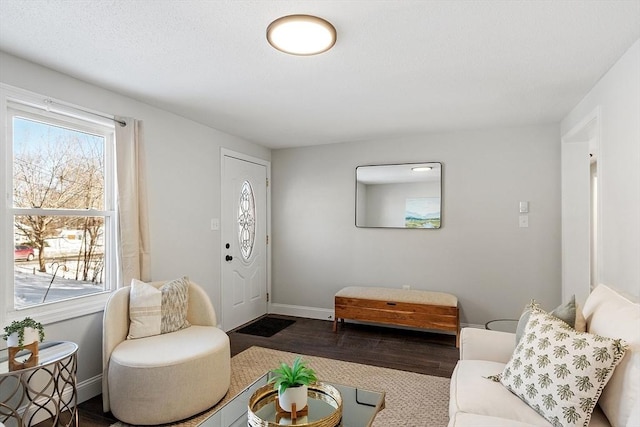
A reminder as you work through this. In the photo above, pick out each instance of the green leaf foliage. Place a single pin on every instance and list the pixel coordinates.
(19, 327)
(297, 374)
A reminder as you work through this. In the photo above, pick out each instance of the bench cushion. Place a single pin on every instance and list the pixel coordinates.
(399, 295)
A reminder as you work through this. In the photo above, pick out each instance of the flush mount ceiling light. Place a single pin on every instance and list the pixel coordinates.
(421, 168)
(301, 35)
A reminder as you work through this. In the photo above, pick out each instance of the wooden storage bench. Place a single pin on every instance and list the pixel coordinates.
(421, 309)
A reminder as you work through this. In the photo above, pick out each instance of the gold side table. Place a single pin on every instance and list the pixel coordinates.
(47, 388)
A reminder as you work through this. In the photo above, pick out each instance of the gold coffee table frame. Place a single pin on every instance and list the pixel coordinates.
(266, 395)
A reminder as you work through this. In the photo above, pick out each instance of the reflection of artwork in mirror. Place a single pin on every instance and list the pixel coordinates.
(399, 196)
(423, 212)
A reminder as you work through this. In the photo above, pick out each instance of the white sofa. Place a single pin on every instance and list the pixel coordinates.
(477, 401)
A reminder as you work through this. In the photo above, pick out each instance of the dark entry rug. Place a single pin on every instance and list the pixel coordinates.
(266, 327)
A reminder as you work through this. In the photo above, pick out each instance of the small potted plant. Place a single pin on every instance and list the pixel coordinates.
(23, 332)
(292, 384)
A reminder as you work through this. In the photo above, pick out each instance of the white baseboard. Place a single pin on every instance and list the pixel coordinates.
(302, 311)
(89, 388)
(324, 313)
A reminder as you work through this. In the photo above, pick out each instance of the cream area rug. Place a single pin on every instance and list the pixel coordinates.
(412, 400)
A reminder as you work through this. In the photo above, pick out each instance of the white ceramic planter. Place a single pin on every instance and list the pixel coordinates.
(30, 335)
(293, 394)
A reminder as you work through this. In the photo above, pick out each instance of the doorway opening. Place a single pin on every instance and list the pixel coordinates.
(581, 226)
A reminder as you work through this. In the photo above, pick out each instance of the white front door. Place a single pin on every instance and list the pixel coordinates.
(244, 241)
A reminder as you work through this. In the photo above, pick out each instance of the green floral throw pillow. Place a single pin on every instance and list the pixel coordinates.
(559, 372)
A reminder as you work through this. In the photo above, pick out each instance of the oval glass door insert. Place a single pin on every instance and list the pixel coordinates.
(246, 220)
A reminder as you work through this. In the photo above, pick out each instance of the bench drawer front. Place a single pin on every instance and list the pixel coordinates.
(398, 313)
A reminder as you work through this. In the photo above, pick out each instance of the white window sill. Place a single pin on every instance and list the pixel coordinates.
(62, 310)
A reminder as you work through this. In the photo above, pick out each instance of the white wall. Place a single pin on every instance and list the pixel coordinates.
(183, 163)
(618, 96)
(480, 254)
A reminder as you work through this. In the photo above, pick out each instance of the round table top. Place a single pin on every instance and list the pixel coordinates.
(48, 352)
(324, 408)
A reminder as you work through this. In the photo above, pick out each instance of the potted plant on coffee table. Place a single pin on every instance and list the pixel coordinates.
(21, 333)
(292, 384)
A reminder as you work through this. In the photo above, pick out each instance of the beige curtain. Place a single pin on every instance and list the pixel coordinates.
(133, 220)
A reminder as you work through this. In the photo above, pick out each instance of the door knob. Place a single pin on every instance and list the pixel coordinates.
(228, 257)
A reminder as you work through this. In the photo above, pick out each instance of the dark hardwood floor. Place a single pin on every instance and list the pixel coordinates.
(408, 350)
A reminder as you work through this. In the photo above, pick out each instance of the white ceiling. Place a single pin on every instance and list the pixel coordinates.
(399, 67)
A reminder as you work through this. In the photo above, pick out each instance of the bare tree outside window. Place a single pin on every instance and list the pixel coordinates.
(60, 169)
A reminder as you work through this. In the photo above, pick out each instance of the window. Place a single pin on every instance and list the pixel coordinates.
(59, 215)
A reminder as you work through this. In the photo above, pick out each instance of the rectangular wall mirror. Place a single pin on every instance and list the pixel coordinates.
(399, 196)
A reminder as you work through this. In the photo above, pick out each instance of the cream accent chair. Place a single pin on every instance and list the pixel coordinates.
(163, 378)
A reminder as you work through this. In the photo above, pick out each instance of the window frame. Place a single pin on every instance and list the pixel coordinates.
(16, 102)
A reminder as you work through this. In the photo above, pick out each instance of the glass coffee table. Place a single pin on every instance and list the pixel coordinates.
(359, 407)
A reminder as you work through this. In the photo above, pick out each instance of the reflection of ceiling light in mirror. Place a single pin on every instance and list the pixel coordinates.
(301, 35)
(421, 168)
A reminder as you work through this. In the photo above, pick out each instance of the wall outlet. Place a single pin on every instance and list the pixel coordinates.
(523, 221)
(406, 287)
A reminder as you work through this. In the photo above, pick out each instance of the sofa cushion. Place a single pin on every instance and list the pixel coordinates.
(560, 372)
(463, 419)
(471, 392)
(473, 345)
(168, 349)
(612, 315)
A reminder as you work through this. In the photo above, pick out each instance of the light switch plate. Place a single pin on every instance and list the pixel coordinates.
(524, 207)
